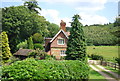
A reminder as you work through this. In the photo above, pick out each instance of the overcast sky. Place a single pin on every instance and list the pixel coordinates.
(91, 11)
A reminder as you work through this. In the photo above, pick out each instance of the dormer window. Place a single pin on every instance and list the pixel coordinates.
(60, 41)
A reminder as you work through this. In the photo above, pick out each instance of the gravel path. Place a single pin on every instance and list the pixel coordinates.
(103, 74)
(114, 74)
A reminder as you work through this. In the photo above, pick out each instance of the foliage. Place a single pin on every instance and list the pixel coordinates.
(117, 22)
(49, 57)
(6, 54)
(96, 57)
(22, 45)
(37, 45)
(32, 5)
(37, 38)
(20, 24)
(13, 59)
(30, 43)
(99, 35)
(38, 54)
(76, 46)
(117, 60)
(53, 29)
(31, 70)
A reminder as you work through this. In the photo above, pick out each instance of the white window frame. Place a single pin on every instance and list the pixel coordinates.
(62, 52)
(60, 39)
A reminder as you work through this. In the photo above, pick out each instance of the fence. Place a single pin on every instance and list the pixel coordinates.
(104, 63)
(111, 64)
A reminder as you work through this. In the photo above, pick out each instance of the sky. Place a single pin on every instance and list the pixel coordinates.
(91, 11)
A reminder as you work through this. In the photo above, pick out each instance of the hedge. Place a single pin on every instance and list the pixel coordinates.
(31, 69)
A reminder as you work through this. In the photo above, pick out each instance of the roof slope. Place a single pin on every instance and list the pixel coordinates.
(23, 52)
(58, 34)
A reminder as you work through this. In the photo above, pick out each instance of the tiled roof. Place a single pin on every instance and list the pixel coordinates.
(23, 52)
(57, 35)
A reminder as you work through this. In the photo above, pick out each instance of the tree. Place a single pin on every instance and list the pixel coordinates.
(53, 29)
(37, 38)
(30, 43)
(20, 24)
(117, 21)
(6, 54)
(76, 46)
(32, 5)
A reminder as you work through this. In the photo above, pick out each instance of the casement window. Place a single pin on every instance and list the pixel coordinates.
(61, 41)
(62, 53)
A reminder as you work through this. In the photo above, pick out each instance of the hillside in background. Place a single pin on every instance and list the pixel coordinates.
(100, 34)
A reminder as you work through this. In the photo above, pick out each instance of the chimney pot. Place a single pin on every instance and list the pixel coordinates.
(63, 25)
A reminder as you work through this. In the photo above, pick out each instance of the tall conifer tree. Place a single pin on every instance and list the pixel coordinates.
(76, 46)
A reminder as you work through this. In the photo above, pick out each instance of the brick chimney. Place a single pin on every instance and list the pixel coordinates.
(63, 25)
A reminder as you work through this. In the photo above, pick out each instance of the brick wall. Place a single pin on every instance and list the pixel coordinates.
(56, 51)
(54, 43)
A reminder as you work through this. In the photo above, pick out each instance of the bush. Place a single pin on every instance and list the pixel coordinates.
(32, 70)
(38, 54)
(49, 57)
(96, 57)
(22, 45)
(6, 54)
(13, 59)
(117, 60)
(37, 45)
(30, 43)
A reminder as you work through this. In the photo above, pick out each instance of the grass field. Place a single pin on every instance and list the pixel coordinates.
(108, 52)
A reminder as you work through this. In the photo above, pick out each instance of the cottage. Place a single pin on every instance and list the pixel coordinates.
(57, 45)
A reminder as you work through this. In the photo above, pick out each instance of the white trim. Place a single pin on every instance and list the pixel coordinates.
(63, 52)
(57, 35)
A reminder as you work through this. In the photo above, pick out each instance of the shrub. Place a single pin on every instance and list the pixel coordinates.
(96, 57)
(22, 45)
(32, 70)
(13, 59)
(37, 45)
(30, 43)
(38, 54)
(117, 60)
(6, 54)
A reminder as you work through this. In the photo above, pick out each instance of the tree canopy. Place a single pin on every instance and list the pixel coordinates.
(19, 23)
(32, 5)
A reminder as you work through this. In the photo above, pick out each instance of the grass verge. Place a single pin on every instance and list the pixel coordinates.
(94, 75)
(105, 72)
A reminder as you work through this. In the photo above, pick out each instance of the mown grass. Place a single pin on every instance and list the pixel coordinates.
(94, 75)
(108, 52)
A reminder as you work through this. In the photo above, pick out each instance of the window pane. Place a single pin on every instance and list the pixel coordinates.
(60, 41)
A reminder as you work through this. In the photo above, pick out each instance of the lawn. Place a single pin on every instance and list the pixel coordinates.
(96, 76)
(108, 52)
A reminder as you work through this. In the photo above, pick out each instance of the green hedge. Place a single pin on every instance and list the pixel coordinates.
(31, 69)
(96, 57)
(37, 45)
